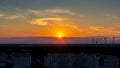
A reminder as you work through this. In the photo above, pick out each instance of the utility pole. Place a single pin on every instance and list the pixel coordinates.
(105, 39)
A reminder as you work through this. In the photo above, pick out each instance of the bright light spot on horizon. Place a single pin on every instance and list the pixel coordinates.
(60, 36)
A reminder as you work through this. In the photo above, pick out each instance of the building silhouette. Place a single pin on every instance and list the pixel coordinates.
(80, 61)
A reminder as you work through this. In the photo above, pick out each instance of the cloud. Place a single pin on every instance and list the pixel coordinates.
(13, 17)
(55, 19)
(39, 22)
(51, 12)
(50, 16)
(102, 31)
(112, 16)
(41, 17)
(47, 17)
(96, 28)
(45, 21)
(59, 11)
(17, 16)
(44, 15)
(34, 11)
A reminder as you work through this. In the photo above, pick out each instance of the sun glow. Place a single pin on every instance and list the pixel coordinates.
(60, 36)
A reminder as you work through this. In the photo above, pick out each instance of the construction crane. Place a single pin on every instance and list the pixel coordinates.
(96, 42)
(114, 38)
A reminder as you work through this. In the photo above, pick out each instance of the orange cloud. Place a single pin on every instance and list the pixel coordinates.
(96, 28)
(102, 31)
(39, 22)
(45, 21)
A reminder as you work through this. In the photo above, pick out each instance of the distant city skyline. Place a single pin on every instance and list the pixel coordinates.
(59, 18)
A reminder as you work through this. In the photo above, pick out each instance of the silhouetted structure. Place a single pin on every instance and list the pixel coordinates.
(58, 55)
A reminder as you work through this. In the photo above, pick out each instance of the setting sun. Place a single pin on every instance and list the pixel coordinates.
(60, 36)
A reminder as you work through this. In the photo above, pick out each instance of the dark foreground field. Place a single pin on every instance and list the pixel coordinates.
(39, 51)
(112, 49)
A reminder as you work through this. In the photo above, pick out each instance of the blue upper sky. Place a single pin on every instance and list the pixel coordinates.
(77, 5)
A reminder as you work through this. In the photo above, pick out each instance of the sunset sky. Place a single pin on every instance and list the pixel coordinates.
(51, 18)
